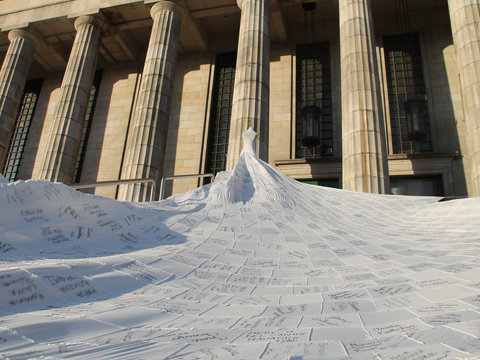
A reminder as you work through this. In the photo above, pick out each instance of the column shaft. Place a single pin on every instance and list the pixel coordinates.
(148, 134)
(252, 79)
(365, 166)
(65, 134)
(465, 23)
(13, 77)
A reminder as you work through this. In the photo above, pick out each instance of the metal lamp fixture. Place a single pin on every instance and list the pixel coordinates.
(311, 113)
(312, 118)
(414, 110)
(414, 106)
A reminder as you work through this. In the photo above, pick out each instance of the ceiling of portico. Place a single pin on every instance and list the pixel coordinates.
(211, 25)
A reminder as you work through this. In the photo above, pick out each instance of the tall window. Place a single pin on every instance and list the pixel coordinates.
(87, 125)
(314, 87)
(405, 81)
(221, 112)
(22, 127)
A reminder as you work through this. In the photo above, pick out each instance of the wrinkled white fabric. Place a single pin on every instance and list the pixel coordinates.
(293, 271)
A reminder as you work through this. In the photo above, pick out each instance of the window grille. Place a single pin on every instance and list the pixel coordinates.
(22, 127)
(87, 125)
(314, 86)
(331, 183)
(405, 81)
(221, 112)
(417, 185)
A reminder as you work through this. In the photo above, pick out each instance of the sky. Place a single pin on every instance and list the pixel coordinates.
(254, 266)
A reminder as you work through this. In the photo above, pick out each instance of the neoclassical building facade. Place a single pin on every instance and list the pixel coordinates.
(378, 96)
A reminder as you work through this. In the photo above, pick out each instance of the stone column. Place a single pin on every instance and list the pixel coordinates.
(148, 134)
(252, 79)
(63, 144)
(13, 77)
(465, 23)
(365, 166)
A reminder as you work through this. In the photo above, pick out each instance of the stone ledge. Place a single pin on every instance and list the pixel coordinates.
(420, 156)
(323, 168)
(306, 161)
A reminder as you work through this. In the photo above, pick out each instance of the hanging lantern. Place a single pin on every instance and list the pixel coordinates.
(312, 126)
(416, 126)
(311, 114)
(415, 107)
(309, 6)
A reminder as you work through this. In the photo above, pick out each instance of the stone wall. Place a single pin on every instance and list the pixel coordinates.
(107, 138)
(190, 110)
(189, 115)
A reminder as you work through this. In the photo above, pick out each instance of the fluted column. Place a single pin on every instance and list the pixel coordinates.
(465, 24)
(252, 79)
(365, 165)
(66, 130)
(13, 77)
(148, 133)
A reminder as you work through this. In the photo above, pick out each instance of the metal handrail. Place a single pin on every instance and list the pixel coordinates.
(116, 182)
(165, 178)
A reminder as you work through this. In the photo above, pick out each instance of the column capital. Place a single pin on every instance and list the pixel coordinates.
(97, 20)
(27, 34)
(241, 2)
(168, 5)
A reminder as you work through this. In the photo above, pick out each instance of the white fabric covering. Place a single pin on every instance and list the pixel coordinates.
(293, 271)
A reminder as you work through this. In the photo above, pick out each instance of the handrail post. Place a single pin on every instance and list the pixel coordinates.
(117, 182)
(136, 181)
(152, 191)
(162, 185)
